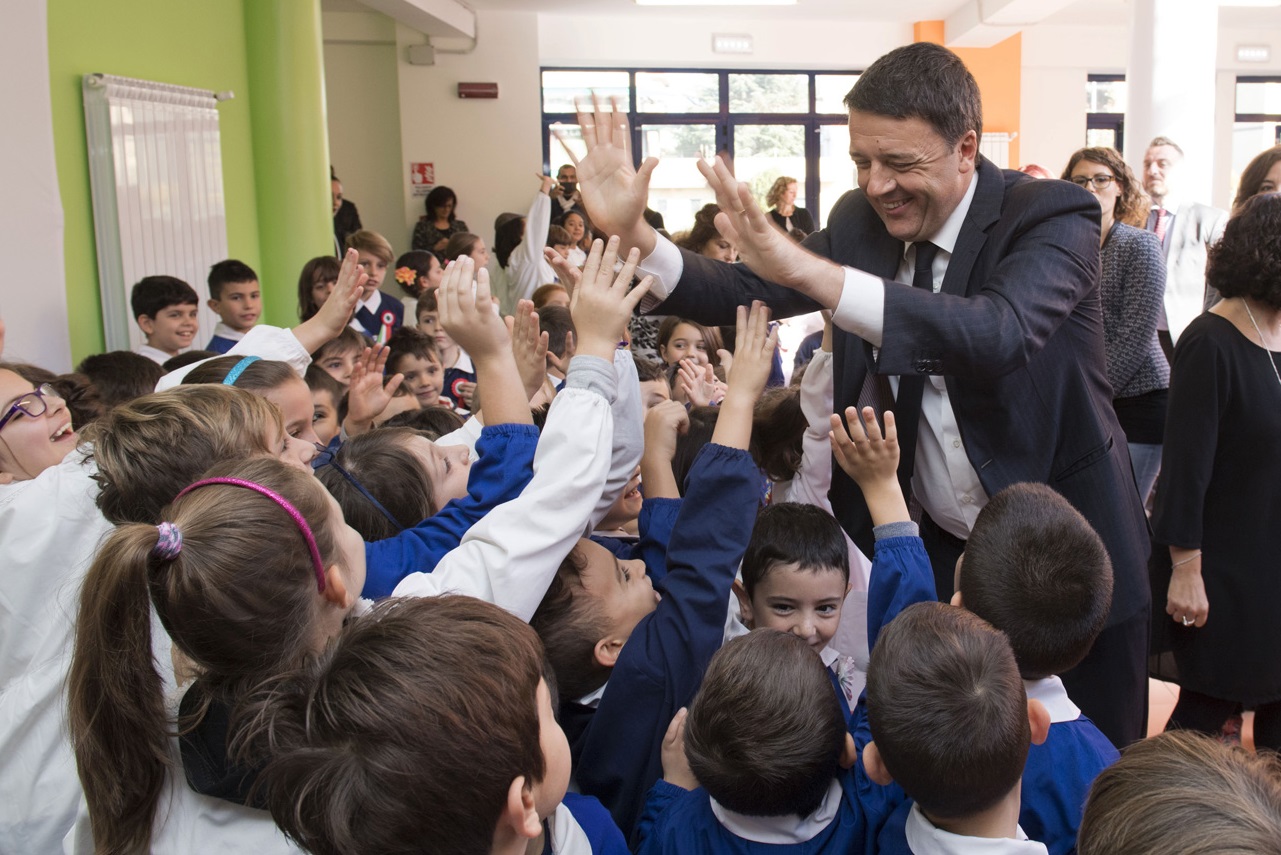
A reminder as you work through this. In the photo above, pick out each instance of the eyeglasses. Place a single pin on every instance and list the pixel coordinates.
(33, 404)
(1100, 182)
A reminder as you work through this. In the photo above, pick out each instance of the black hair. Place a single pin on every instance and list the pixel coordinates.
(794, 533)
(153, 294)
(228, 272)
(1245, 261)
(921, 81)
(438, 197)
(121, 376)
(556, 321)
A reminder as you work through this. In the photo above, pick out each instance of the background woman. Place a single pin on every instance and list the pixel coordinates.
(781, 198)
(1263, 175)
(1132, 287)
(436, 228)
(1218, 504)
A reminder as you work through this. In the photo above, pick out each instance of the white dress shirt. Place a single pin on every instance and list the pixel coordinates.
(925, 838)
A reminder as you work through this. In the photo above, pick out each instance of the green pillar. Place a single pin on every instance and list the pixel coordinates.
(290, 146)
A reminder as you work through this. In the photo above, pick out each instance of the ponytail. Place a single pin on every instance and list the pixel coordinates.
(119, 727)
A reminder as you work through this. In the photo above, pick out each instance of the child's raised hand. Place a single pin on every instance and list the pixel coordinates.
(568, 274)
(755, 341)
(368, 395)
(336, 312)
(529, 347)
(871, 459)
(676, 769)
(601, 305)
(698, 383)
(663, 424)
(468, 314)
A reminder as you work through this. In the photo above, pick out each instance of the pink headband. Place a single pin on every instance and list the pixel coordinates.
(293, 512)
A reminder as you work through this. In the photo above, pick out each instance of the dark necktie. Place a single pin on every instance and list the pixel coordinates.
(907, 405)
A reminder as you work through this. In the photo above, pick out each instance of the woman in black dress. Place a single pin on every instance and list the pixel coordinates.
(1218, 507)
(781, 199)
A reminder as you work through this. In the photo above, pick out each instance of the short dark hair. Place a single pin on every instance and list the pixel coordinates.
(432, 422)
(408, 341)
(649, 370)
(1245, 261)
(921, 81)
(1035, 569)
(383, 464)
(371, 748)
(81, 397)
(948, 710)
(556, 321)
(190, 357)
(702, 424)
(320, 380)
(153, 294)
(322, 268)
(765, 733)
(794, 533)
(347, 341)
(570, 622)
(121, 375)
(438, 197)
(228, 272)
(1252, 176)
(557, 236)
(1156, 141)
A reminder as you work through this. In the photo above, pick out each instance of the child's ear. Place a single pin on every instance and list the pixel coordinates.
(956, 600)
(147, 324)
(520, 814)
(212, 304)
(956, 574)
(875, 766)
(607, 650)
(336, 588)
(744, 604)
(849, 752)
(1039, 718)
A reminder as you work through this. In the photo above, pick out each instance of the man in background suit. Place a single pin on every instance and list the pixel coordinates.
(1187, 231)
(972, 290)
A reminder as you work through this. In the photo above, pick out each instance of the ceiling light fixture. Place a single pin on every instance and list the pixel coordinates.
(715, 2)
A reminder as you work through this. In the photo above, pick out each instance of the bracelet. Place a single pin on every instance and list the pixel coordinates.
(1186, 560)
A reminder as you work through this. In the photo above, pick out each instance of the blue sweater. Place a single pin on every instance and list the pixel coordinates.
(597, 825)
(218, 344)
(657, 519)
(616, 747)
(1057, 779)
(504, 465)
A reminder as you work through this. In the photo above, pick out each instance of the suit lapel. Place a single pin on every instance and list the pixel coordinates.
(985, 209)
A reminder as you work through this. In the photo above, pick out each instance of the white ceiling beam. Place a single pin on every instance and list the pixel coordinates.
(446, 18)
(983, 23)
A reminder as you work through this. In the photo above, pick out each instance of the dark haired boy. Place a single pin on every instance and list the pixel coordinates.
(165, 309)
(764, 762)
(653, 382)
(414, 355)
(951, 724)
(235, 296)
(559, 326)
(120, 376)
(1034, 569)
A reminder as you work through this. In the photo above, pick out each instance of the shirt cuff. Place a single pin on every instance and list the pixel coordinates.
(593, 374)
(861, 309)
(666, 266)
(885, 531)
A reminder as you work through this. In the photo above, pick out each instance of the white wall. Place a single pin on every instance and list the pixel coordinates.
(363, 113)
(487, 151)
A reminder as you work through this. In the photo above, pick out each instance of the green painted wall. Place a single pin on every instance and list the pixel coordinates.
(197, 43)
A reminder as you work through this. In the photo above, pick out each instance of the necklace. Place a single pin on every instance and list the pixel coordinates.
(1272, 359)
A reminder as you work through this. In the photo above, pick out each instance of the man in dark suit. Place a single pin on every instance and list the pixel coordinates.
(971, 292)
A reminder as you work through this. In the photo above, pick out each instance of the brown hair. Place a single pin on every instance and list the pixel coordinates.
(121, 375)
(557, 236)
(261, 375)
(570, 622)
(1132, 205)
(1244, 262)
(460, 243)
(1252, 177)
(239, 599)
(765, 733)
(778, 432)
(324, 268)
(1184, 792)
(372, 243)
(777, 189)
(543, 293)
(406, 735)
(408, 341)
(81, 397)
(703, 230)
(150, 448)
(948, 710)
(347, 341)
(1036, 570)
(383, 464)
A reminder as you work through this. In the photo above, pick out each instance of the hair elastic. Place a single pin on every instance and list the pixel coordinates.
(169, 543)
(351, 479)
(294, 514)
(239, 368)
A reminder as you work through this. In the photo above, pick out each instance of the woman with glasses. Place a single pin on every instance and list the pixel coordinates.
(1132, 289)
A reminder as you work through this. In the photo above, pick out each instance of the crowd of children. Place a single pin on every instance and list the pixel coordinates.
(464, 574)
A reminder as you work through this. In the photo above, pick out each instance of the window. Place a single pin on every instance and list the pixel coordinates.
(1105, 102)
(1257, 123)
(771, 123)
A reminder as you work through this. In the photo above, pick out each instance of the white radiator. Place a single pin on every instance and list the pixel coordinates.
(155, 166)
(996, 148)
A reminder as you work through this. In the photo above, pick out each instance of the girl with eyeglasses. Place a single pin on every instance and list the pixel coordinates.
(1132, 288)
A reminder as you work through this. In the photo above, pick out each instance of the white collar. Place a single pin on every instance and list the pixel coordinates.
(924, 838)
(592, 699)
(781, 829)
(1050, 692)
(463, 363)
(372, 303)
(567, 836)
(945, 238)
(224, 331)
(153, 353)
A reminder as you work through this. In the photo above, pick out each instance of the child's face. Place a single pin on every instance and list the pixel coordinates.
(350, 548)
(558, 296)
(622, 588)
(480, 254)
(324, 415)
(446, 467)
(655, 392)
(172, 329)
(806, 603)
(424, 378)
(576, 228)
(563, 249)
(686, 342)
(550, 791)
(444, 343)
(290, 450)
(31, 444)
(240, 305)
(627, 507)
(428, 322)
(340, 365)
(376, 268)
(435, 273)
(321, 288)
(294, 400)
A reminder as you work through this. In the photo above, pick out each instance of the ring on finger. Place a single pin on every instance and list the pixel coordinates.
(1187, 621)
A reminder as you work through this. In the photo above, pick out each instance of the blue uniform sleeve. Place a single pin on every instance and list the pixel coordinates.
(659, 798)
(662, 663)
(595, 821)
(901, 575)
(657, 519)
(504, 465)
